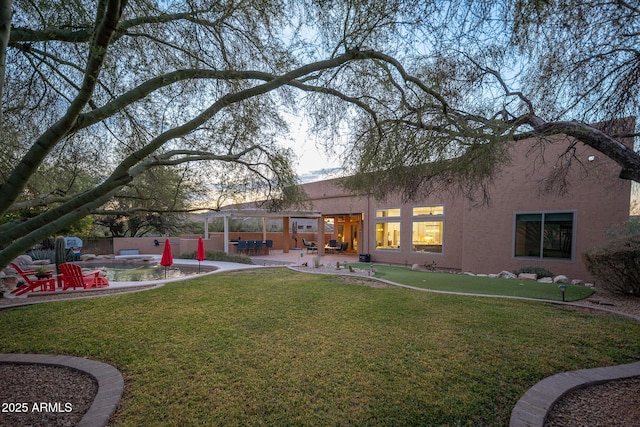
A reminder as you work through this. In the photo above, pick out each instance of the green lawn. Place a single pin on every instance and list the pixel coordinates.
(275, 347)
(476, 285)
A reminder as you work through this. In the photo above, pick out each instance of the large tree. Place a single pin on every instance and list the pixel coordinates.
(130, 86)
(515, 69)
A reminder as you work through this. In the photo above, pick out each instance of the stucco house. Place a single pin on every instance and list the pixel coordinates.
(521, 225)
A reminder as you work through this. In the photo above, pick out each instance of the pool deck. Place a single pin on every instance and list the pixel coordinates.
(277, 258)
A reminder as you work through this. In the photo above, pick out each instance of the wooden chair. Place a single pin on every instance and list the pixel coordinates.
(72, 276)
(32, 285)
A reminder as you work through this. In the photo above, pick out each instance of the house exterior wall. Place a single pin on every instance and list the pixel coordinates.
(595, 195)
(480, 238)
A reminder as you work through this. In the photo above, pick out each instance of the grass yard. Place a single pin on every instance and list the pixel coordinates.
(476, 284)
(275, 347)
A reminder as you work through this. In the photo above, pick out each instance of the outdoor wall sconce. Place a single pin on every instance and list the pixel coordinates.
(562, 288)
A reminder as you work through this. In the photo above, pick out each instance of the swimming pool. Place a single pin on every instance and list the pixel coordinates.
(136, 272)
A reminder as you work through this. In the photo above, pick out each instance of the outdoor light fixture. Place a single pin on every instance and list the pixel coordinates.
(562, 288)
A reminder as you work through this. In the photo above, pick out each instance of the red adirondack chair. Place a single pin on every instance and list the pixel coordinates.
(72, 276)
(33, 285)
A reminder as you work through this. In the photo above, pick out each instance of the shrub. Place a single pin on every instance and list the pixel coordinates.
(41, 254)
(219, 256)
(534, 269)
(615, 264)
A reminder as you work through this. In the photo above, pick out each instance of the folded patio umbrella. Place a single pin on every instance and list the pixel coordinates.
(167, 257)
(200, 255)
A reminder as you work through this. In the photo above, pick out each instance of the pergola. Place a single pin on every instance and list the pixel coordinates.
(264, 214)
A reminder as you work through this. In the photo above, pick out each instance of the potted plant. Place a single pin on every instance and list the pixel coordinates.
(41, 272)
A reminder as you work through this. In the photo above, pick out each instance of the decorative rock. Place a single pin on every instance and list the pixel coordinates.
(589, 285)
(528, 276)
(23, 260)
(87, 257)
(577, 282)
(415, 267)
(545, 280)
(507, 275)
(468, 273)
(481, 275)
(8, 283)
(493, 276)
(561, 279)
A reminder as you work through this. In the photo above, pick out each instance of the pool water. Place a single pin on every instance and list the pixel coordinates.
(137, 272)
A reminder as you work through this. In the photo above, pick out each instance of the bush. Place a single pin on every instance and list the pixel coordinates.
(41, 254)
(219, 256)
(534, 269)
(615, 264)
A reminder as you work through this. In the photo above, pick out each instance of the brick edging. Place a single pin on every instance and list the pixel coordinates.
(109, 379)
(533, 407)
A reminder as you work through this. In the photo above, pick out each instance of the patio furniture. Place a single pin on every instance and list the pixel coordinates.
(332, 246)
(73, 277)
(258, 247)
(269, 246)
(311, 246)
(242, 246)
(342, 248)
(251, 246)
(33, 285)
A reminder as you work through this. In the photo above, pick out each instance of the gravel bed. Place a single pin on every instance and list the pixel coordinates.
(44, 395)
(616, 403)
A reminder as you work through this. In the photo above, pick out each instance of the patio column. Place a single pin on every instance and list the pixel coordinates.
(320, 238)
(225, 244)
(206, 228)
(264, 229)
(285, 235)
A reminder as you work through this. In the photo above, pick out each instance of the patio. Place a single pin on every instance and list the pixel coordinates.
(301, 255)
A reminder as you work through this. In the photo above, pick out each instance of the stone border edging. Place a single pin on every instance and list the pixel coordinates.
(109, 379)
(533, 407)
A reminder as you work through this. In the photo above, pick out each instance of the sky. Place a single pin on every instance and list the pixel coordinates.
(312, 162)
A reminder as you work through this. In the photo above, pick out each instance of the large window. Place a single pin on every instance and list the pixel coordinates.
(427, 236)
(544, 235)
(388, 236)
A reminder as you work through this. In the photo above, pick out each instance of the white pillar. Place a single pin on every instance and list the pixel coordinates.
(206, 228)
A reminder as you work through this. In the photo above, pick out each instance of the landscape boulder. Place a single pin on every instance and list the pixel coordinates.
(507, 275)
(528, 276)
(561, 279)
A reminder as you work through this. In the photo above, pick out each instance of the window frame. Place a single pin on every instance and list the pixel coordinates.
(414, 215)
(438, 220)
(418, 218)
(543, 214)
(388, 248)
(386, 210)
